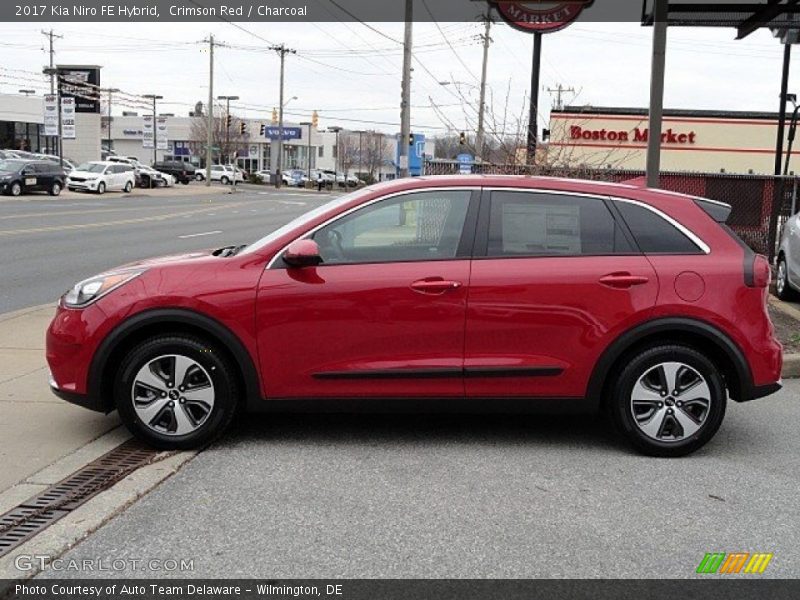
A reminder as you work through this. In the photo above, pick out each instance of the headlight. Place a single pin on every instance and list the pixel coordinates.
(91, 178)
(89, 290)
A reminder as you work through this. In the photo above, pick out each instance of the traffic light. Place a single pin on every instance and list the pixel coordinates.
(263, 130)
(462, 139)
(410, 139)
(228, 121)
(315, 119)
(274, 116)
(242, 128)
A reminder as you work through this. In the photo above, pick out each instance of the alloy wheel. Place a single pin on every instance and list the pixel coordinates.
(173, 395)
(670, 402)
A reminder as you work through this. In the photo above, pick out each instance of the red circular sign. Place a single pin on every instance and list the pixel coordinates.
(538, 16)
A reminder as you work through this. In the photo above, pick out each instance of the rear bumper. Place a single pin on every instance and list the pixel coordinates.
(762, 391)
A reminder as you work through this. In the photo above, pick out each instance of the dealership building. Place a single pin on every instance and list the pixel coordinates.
(692, 140)
(182, 138)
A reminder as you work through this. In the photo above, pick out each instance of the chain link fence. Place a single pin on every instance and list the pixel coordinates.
(760, 204)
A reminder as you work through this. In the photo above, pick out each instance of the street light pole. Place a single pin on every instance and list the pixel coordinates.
(110, 92)
(308, 151)
(154, 98)
(405, 103)
(227, 124)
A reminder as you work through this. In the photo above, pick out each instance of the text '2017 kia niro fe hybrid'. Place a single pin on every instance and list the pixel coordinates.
(488, 292)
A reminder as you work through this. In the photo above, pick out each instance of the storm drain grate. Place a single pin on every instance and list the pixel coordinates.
(44, 509)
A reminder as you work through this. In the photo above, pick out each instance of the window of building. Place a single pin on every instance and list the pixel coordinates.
(540, 224)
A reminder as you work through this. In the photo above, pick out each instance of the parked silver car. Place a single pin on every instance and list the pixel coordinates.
(787, 282)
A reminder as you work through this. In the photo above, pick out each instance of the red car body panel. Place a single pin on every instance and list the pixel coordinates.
(362, 331)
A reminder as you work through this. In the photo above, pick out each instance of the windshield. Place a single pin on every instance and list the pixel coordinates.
(11, 165)
(92, 167)
(305, 218)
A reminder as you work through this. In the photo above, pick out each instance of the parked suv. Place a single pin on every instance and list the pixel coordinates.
(483, 292)
(183, 172)
(18, 176)
(102, 176)
(787, 283)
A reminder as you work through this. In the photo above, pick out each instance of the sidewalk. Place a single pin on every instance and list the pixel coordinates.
(36, 428)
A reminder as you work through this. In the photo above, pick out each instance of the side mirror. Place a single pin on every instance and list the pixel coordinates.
(302, 253)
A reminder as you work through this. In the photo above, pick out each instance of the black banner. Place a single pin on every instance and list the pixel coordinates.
(715, 588)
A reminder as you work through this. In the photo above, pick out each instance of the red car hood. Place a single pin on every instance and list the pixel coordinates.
(163, 260)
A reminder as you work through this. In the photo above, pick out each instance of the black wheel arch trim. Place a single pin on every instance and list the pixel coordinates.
(602, 371)
(231, 342)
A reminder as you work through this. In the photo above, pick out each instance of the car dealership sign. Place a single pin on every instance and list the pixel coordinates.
(538, 16)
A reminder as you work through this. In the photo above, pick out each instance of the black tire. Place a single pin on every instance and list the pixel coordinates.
(101, 188)
(224, 180)
(55, 189)
(783, 289)
(215, 364)
(128, 187)
(15, 189)
(636, 367)
(199, 177)
(185, 181)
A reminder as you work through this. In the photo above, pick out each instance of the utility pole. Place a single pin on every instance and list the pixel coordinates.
(110, 91)
(282, 50)
(405, 103)
(210, 110)
(308, 149)
(154, 97)
(559, 91)
(487, 40)
(657, 69)
(52, 72)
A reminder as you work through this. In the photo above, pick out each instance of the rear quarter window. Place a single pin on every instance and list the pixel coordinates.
(653, 233)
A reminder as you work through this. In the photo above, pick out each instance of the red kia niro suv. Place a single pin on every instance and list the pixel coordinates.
(461, 293)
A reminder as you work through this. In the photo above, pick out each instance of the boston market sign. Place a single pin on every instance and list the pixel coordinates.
(539, 16)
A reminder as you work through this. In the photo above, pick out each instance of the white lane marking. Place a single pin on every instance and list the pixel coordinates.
(193, 235)
(292, 203)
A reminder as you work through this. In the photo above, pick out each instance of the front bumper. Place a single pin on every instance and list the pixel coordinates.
(83, 400)
(82, 186)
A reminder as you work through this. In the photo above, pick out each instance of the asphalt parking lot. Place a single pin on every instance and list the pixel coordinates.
(468, 497)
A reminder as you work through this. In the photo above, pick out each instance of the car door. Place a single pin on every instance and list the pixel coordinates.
(30, 178)
(793, 250)
(383, 315)
(555, 279)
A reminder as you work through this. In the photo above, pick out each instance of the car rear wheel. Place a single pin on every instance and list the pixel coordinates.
(668, 400)
(55, 189)
(176, 392)
(128, 187)
(16, 189)
(101, 188)
(783, 289)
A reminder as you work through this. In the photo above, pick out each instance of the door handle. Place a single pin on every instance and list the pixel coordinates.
(623, 280)
(434, 286)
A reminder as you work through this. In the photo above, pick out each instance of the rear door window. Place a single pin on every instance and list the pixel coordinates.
(544, 224)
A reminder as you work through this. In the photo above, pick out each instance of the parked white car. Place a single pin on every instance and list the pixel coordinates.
(787, 281)
(149, 177)
(101, 176)
(225, 175)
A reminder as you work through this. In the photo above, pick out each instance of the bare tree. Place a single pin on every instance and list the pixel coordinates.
(225, 140)
(347, 152)
(376, 152)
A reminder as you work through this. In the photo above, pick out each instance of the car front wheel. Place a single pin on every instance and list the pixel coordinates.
(128, 187)
(16, 189)
(101, 188)
(783, 289)
(224, 181)
(55, 189)
(199, 177)
(668, 400)
(176, 392)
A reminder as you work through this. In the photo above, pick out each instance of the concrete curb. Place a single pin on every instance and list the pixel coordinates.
(78, 524)
(14, 314)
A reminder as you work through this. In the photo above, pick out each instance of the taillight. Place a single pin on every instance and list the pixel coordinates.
(762, 274)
